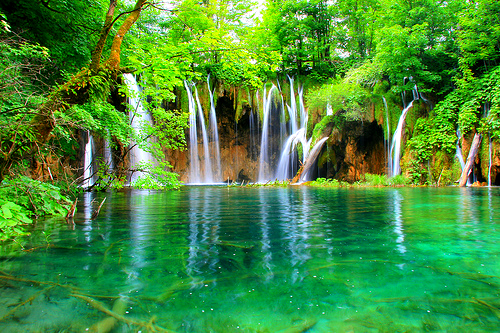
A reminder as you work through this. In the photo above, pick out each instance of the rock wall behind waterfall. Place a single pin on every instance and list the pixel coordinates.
(238, 152)
(354, 150)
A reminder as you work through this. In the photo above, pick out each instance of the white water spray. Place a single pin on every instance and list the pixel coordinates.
(214, 133)
(139, 119)
(88, 165)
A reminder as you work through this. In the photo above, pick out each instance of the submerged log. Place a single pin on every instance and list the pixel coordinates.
(108, 323)
(474, 148)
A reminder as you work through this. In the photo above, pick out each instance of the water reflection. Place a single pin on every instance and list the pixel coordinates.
(141, 234)
(274, 259)
(398, 221)
(204, 233)
(265, 239)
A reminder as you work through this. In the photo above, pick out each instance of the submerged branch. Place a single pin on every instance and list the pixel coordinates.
(96, 212)
(149, 326)
(29, 300)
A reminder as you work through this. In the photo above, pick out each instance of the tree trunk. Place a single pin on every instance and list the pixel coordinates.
(114, 57)
(474, 148)
(76, 89)
(106, 28)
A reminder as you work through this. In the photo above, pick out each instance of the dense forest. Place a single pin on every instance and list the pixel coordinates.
(63, 62)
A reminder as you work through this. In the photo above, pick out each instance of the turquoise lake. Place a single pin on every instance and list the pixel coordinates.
(297, 259)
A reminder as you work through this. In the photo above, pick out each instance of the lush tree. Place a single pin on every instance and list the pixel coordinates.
(355, 25)
(416, 41)
(40, 119)
(69, 29)
(302, 31)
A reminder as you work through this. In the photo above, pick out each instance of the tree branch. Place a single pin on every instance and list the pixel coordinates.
(45, 3)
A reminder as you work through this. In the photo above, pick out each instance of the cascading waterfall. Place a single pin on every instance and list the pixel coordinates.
(197, 119)
(329, 109)
(395, 151)
(139, 119)
(490, 152)
(214, 134)
(291, 134)
(264, 163)
(209, 178)
(88, 165)
(458, 151)
(287, 156)
(297, 128)
(311, 158)
(396, 142)
(194, 172)
(490, 162)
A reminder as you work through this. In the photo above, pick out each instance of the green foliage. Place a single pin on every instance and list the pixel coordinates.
(301, 31)
(12, 219)
(324, 182)
(273, 183)
(375, 180)
(67, 27)
(99, 117)
(21, 92)
(369, 179)
(479, 37)
(106, 178)
(156, 177)
(351, 99)
(398, 180)
(23, 199)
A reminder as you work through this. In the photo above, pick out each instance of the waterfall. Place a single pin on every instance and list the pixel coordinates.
(311, 158)
(139, 119)
(490, 151)
(458, 151)
(396, 142)
(194, 172)
(196, 118)
(264, 163)
(292, 133)
(283, 171)
(88, 165)
(298, 125)
(209, 178)
(329, 109)
(395, 151)
(214, 134)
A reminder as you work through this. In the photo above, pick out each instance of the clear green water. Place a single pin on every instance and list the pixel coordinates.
(212, 259)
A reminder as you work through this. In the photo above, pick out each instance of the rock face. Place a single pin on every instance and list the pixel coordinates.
(356, 149)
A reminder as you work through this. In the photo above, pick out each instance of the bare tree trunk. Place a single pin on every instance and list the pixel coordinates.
(474, 148)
